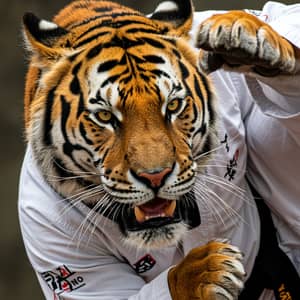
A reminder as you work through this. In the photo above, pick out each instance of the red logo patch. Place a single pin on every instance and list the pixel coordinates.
(145, 264)
(62, 279)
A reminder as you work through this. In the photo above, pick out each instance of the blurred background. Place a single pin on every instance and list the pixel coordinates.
(17, 280)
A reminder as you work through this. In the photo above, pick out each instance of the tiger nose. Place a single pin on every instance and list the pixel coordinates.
(155, 179)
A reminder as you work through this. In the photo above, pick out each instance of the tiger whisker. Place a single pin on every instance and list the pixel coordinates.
(72, 171)
(86, 189)
(92, 218)
(238, 194)
(219, 201)
(59, 179)
(203, 197)
(201, 167)
(213, 206)
(220, 181)
(117, 207)
(74, 200)
(214, 149)
(207, 165)
(83, 228)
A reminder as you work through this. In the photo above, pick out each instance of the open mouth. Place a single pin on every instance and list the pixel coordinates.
(154, 214)
(156, 208)
(158, 213)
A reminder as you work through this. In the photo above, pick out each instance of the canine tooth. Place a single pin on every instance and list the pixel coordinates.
(139, 215)
(169, 212)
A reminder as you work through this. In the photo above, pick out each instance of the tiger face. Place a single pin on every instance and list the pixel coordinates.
(117, 109)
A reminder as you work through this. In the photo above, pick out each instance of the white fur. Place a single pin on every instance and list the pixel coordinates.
(158, 240)
(167, 6)
(95, 80)
(46, 25)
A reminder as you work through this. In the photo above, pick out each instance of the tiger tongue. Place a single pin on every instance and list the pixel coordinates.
(154, 209)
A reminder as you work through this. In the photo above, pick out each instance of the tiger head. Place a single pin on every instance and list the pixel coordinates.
(118, 114)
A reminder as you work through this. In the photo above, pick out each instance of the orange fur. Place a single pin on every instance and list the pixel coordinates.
(108, 60)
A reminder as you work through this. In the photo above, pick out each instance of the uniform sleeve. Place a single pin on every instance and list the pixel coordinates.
(279, 96)
(273, 136)
(74, 268)
(284, 19)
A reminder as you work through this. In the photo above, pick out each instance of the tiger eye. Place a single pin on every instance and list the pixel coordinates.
(105, 116)
(173, 106)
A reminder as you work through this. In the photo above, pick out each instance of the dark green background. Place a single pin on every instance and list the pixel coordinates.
(17, 280)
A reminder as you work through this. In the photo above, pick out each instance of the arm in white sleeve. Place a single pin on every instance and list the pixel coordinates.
(279, 96)
(284, 19)
(69, 262)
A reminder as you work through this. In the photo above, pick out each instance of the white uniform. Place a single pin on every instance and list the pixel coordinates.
(80, 255)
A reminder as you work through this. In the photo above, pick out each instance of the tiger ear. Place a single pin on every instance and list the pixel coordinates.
(44, 38)
(177, 13)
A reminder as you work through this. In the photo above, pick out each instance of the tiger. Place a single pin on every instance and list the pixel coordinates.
(120, 104)
(114, 95)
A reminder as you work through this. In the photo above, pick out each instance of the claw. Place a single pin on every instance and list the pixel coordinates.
(241, 42)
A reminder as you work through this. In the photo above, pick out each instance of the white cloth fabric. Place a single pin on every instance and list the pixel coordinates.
(79, 255)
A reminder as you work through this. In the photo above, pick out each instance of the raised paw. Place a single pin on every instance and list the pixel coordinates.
(211, 272)
(240, 40)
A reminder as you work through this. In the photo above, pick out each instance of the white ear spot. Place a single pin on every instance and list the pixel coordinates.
(167, 6)
(46, 25)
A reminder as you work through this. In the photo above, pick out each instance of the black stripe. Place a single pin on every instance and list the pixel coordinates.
(176, 53)
(89, 39)
(66, 108)
(160, 73)
(75, 85)
(94, 51)
(103, 9)
(84, 134)
(200, 96)
(206, 85)
(154, 59)
(112, 79)
(80, 108)
(105, 154)
(47, 118)
(76, 68)
(184, 71)
(123, 43)
(154, 43)
(206, 147)
(108, 65)
(97, 26)
(125, 80)
(106, 22)
(195, 110)
(126, 43)
(211, 111)
(123, 23)
(143, 30)
(73, 57)
(68, 147)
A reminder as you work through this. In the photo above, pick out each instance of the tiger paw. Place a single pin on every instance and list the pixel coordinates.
(243, 42)
(210, 272)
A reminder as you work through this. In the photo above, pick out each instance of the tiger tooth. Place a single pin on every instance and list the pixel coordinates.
(139, 215)
(142, 216)
(169, 212)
